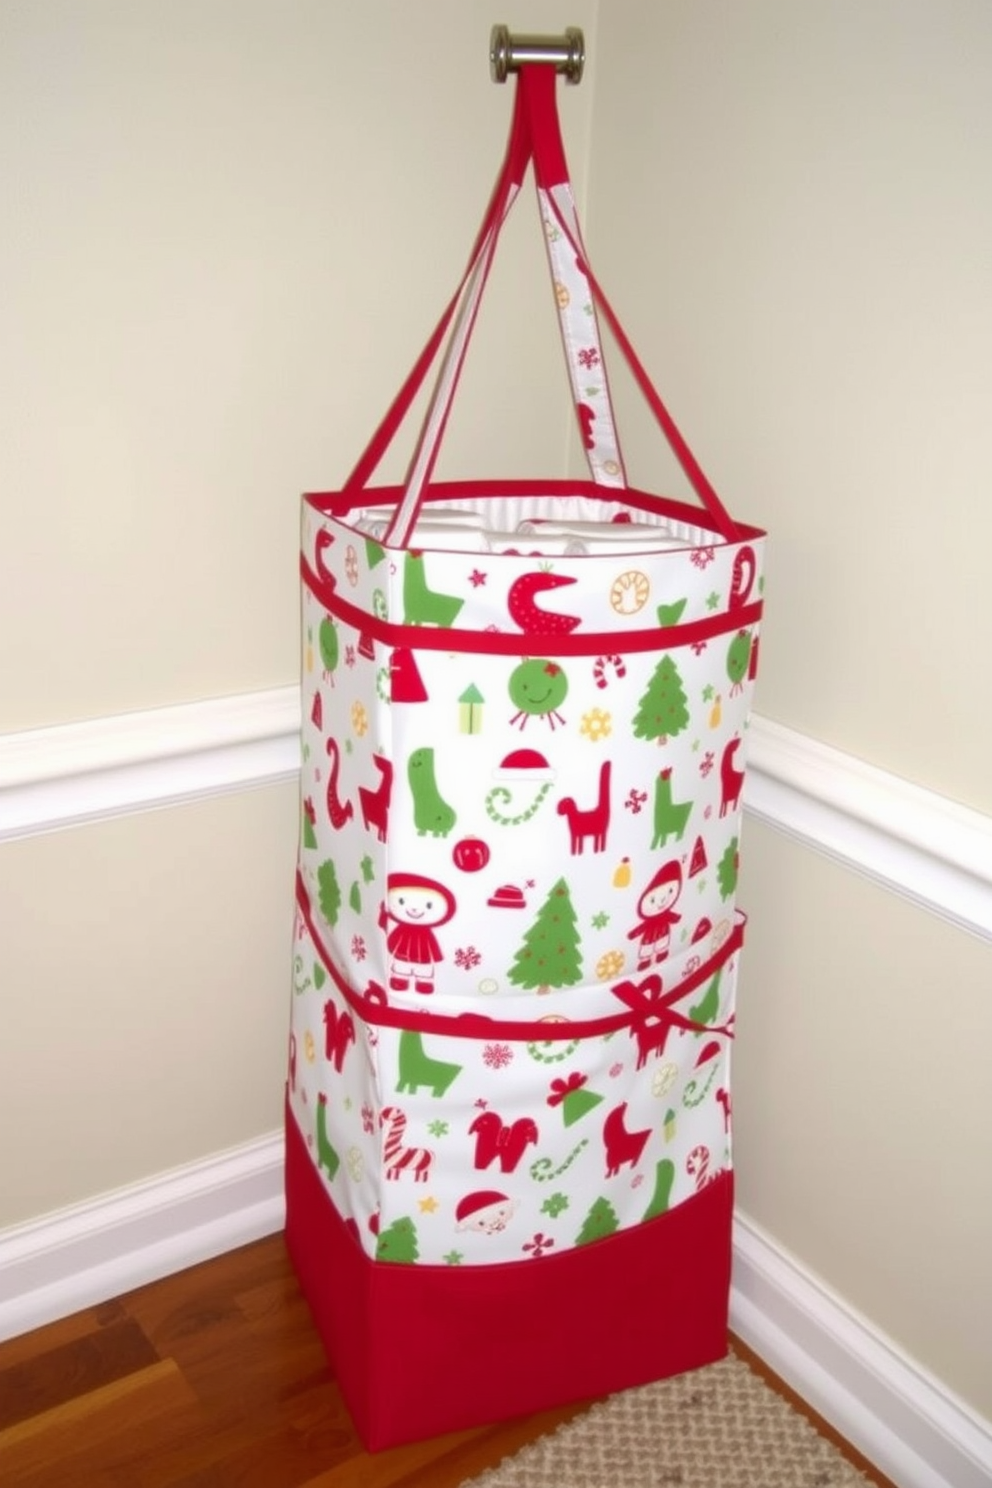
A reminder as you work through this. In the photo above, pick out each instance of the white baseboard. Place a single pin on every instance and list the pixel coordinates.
(77, 1257)
(901, 1418)
(933, 851)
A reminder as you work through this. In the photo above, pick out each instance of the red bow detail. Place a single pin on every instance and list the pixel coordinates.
(561, 1088)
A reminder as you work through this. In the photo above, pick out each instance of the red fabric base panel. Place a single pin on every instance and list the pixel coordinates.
(422, 1350)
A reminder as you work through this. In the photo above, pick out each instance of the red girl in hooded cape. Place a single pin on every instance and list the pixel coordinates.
(656, 914)
(416, 904)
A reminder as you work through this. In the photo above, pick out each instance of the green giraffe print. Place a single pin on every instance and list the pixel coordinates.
(418, 1068)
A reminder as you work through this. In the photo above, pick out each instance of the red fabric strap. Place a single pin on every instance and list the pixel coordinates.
(535, 134)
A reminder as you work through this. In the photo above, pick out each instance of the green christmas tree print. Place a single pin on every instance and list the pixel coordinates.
(329, 892)
(549, 955)
(398, 1243)
(599, 1222)
(727, 869)
(663, 711)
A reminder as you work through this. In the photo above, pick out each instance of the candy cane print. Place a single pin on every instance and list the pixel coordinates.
(697, 1166)
(615, 664)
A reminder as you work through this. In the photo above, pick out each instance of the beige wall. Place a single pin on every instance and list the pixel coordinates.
(790, 205)
(206, 305)
(229, 227)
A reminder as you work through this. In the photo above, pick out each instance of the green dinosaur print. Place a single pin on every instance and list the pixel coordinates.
(431, 812)
(421, 604)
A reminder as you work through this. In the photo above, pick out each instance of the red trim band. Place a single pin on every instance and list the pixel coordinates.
(644, 1000)
(531, 643)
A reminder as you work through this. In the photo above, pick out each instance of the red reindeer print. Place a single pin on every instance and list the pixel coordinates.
(322, 542)
(495, 1138)
(398, 1158)
(742, 579)
(595, 821)
(723, 1098)
(587, 418)
(375, 803)
(339, 1033)
(338, 811)
(731, 779)
(622, 1146)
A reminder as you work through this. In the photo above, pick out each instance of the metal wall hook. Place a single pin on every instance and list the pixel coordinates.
(509, 53)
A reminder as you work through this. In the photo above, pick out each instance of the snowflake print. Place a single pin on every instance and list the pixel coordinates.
(664, 1078)
(453, 1258)
(702, 557)
(358, 947)
(708, 692)
(557, 1204)
(609, 965)
(596, 725)
(497, 1056)
(635, 801)
(466, 957)
(712, 600)
(359, 719)
(477, 577)
(588, 357)
(368, 1120)
(600, 921)
(539, 1244)
(349, 656)
(707, 763)
(355, 1164)
(438, 1128)
(698, 647)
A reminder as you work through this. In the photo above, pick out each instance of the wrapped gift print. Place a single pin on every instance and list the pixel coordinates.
(517, 885)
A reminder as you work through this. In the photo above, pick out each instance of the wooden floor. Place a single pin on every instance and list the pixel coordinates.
(213, 1378)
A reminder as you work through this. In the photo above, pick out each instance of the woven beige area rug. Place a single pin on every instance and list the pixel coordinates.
(718, 1427)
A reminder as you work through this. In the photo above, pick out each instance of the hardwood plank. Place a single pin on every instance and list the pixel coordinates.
(40, 1450)
(241, 1396)
(56, 1335)
(58, 1374)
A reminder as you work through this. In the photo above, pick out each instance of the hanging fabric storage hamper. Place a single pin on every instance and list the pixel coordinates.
(508, 1163)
